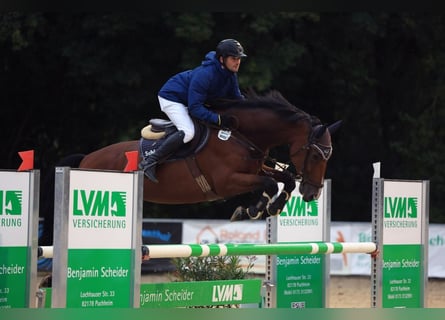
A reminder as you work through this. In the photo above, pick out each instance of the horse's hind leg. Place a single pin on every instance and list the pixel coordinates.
(255, 212)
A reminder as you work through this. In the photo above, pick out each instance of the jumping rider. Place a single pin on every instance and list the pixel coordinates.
(184, 95)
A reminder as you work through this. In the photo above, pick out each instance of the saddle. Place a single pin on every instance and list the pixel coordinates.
(158, 130)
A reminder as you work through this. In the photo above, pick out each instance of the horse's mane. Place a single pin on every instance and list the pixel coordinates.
(273, 100)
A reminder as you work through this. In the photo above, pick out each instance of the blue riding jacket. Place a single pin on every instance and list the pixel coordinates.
(206, 82)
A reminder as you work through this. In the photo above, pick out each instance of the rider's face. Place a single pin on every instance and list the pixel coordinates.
(231, 63)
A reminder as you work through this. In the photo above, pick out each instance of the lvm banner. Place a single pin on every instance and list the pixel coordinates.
(18, 237)
(100, 235)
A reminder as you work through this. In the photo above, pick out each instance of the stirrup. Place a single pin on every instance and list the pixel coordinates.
(149, 169)
(150, 173)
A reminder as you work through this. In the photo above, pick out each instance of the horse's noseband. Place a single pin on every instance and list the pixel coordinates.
(324, 150)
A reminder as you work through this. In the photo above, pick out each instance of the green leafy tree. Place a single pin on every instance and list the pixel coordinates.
(74, 82)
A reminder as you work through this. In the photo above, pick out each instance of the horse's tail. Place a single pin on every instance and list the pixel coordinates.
(47, 197)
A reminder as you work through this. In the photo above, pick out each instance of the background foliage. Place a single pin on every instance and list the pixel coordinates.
(76, 82)
(212, 268)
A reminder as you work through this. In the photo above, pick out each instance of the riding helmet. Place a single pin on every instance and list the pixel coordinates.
(230, 47)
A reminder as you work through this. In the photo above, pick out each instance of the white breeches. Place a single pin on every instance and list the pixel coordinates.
(178, 114)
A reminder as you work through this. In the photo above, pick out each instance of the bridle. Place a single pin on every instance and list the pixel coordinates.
(325, 152)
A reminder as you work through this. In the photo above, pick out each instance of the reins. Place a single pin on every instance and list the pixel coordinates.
(243, 140)
(324, 150)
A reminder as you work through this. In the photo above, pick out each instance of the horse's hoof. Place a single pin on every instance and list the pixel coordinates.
(253, 213)
(273, 212)
(239, 214)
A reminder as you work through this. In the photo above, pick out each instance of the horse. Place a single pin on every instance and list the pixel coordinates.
(230, 163)
(233, 162)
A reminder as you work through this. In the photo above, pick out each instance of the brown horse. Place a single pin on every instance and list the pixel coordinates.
(235, 164)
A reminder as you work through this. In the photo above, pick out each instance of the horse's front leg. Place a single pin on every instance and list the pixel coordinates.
(275, 207)
(254, 212)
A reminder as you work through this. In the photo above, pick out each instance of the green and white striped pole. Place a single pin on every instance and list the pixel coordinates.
(201, 250)
(156, 251)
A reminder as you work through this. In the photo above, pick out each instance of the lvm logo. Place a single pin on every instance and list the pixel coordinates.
(297, 207)
(227, 293)
(400, 207)
(99, 203)
(11, 208)
(11, 202)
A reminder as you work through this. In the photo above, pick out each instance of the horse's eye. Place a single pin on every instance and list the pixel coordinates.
(315, 156)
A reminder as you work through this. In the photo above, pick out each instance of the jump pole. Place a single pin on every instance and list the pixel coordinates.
(245, 249)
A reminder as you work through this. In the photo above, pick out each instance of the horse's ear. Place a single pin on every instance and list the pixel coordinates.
(319, 131)
(333, 127)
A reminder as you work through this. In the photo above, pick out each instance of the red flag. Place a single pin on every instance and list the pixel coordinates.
(132, 161)
(27, 160)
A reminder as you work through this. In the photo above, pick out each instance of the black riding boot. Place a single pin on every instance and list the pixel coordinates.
(170, 145)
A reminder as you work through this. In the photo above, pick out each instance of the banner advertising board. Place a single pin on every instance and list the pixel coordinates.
(401, 223)
(98, 221)
(19, 201)
(300, 281)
